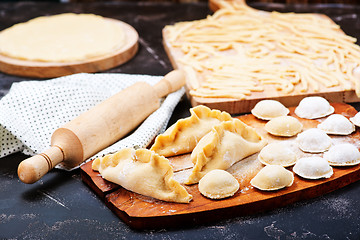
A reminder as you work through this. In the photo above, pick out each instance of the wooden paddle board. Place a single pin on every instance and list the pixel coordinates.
(234, 106)
(38, 69)
(141, 212)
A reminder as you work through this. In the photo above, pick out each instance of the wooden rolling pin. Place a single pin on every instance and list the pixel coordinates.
(100, 127)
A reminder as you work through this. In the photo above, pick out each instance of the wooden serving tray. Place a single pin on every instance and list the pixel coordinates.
(141, 212)
(38, 69)
(234, 106)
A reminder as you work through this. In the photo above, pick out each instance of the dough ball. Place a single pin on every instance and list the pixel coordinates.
(313, 140)
(218, 184)
(356, 119)
(344, 154)
(285, 126)
(313, 168)
(269, 109)
(272, 177)
(277, 153)
(313, 107)
(337, 124)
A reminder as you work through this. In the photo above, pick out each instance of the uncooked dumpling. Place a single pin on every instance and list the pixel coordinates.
(183, 136)
(337, 124)
(313, 168)
(344, 154)
(272, 177)
(314, 140)
(285, 126)
(356, 119)
(144, 172)
(269, 109)
(277, 153)
(218, 184)
(313, 107)
(226, 144)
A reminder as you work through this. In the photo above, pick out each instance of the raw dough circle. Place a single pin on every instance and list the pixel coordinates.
(313, 107)
(337, 124)
(269, 109)
(313, 168)
(272, 177)
(313, 140)
(65, 37)
(218, 184)
(277, 153)
(344, 154)
(285, 126)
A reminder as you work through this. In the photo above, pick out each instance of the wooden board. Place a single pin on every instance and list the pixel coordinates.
(39, 69)
(142, 212)
(234, 106)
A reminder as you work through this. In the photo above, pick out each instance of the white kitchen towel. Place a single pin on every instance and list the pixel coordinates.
(33, 110)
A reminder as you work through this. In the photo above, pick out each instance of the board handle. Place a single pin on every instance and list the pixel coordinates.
(32, 169)
(171, 82)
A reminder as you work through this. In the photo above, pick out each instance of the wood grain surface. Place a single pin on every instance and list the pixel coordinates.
(39, 69)
(141, 212)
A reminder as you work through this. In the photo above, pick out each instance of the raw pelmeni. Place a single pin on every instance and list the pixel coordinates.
(277, 153)
(218, 184)
(344, 154)
(337, 124)
(269, 109)
(272, 177)
(284, 126)
(313, 107)
(313, 140)
(313, 168)
(356, 120)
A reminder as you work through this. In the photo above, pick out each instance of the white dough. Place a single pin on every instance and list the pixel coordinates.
(218, 184)
(269, 109)
(313, 168)
(344, 154)
(313, 140)
(277, 153)
(337, 124)
(313, 107)
(272, 177)
(356, 119)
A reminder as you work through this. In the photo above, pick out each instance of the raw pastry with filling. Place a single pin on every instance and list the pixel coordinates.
(313, 140)
(344, 154)
(284, 126)
(144, 172)
(277, 153)
(313, 168)
(269, 109)
(313, 107)
(337, 124)
(218, 184)
(272, 177)
(226, 144)
(356, 119)
(183, 136)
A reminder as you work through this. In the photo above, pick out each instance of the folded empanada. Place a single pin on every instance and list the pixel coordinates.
(183, 136)
(144, 172)
(226, 144)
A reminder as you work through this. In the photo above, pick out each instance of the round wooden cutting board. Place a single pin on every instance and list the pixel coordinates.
(38, 69)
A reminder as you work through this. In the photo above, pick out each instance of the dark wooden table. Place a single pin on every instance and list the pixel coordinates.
(61, 206)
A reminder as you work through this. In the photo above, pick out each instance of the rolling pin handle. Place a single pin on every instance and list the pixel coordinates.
(171, 82)
(32, 169)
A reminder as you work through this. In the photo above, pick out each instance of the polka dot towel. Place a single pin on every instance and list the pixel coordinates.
(32, 110)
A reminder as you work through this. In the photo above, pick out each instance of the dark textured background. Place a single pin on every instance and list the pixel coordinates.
(61, 206)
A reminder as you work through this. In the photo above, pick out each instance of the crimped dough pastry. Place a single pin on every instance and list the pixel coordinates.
(277, 153)
(218, 184)
(65, 37)
(183, 136)
(144, 172)
(272, 177)
(226, 144)
(269, 109)
(284, 126)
